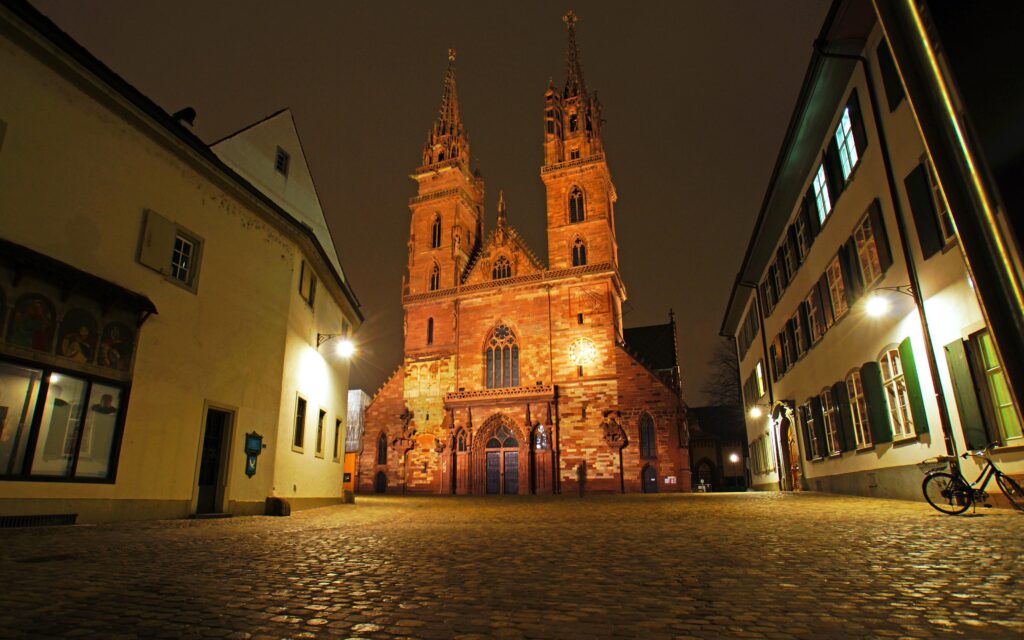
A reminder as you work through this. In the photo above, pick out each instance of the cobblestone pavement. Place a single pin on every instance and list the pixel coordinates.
(665, 566)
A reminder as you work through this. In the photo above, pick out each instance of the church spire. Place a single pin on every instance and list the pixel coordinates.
(502, 214)
(447, 139)
(574, 85)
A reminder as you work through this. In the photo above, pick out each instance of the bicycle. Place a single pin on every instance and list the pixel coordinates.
(949, 491)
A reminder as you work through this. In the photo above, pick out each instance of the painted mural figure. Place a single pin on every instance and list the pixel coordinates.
(78, 336)
(33, 323)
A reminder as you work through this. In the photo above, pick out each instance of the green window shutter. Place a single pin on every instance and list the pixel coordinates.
(913, 387)
(791, 337)
(773, 359)
(833, 170)
(849, 264)
(807, 435)
(890, 78)
(794, 247)
(841, 397)
(805, 326)
(782, 268)
(881, 236)
(972, 422)
(860, 137)
(919, 192)
(812, 211)
(819, 425)
(878, 409)
(826, 301)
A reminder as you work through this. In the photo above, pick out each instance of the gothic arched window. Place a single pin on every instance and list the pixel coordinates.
(579, 253)
(460, 442)
(576, 205)
(647, 442)
(382, 448)
(502, 358)
(435, 233)
(435, 278)
(502, 269)
(430, 331)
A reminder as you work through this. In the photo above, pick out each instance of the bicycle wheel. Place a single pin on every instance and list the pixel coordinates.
(1012, 489)
(947, 493)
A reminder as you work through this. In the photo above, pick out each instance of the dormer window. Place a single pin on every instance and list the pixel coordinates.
(281, 161)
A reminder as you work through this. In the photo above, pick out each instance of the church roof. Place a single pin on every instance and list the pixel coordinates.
(655, 344)
(504, 240)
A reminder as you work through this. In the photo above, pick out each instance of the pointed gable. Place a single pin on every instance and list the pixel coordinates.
(255, 153)
(503, 242)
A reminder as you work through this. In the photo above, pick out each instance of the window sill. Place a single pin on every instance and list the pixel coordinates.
(298, 449)
(898, 441)
(865, 448)
(1013, 446)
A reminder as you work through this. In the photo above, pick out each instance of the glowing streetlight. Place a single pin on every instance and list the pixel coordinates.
(733, 457)
(346, 348)
(877, 306)
(755, 412)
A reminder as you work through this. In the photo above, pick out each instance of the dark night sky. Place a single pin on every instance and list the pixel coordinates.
(696, 94)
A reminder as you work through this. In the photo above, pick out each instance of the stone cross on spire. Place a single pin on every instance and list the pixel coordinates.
(447, 140)
(574, 85)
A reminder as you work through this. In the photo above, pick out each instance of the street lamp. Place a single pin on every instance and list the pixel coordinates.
(346, 348)
(876, 305)
(757, 411)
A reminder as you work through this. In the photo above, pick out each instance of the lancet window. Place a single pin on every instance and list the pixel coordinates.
(576, 205)
(579, 253)
(435, 278)
(501, 358)
(382, 448)
(435, 233)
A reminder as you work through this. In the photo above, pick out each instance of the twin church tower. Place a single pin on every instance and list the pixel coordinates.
(518, 373)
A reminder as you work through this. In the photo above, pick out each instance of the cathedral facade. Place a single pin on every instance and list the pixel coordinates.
(518, 376)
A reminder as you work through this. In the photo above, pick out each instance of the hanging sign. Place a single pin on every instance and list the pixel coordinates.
(253, 447)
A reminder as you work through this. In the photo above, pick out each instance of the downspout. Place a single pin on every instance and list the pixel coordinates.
(915, 284)
(767, 377)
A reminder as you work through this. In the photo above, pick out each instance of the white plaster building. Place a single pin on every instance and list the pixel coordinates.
(854, 238)
(160, 299)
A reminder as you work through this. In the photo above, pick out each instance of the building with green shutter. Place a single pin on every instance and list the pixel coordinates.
(853, 276)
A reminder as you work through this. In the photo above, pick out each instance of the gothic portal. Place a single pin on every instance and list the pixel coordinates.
(518, 370)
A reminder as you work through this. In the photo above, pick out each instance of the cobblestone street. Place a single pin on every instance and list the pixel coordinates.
(666, 566)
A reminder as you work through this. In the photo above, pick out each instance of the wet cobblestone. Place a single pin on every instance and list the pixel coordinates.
(667, 566)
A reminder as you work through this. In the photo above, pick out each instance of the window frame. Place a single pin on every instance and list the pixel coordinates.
(822, 197)
(577, 205)
(282, 161)
(837, 292)
(866, 247)
(813, 300)
(759, 379)
(579, 252)
(434, 284)
(830, 416)
(813, 446)
(859, 411)
(947, 228)
(298, 441)
(435, 232)
(24, 473)
(318, 448)
(307, 291)
(846, 145)
(896, 385)
(501, 268)
(991, 407)
(648, 436)
(338, 432)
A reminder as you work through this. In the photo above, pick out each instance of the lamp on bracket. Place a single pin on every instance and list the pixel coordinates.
(758, 410)
(878, 305)
(346, 348)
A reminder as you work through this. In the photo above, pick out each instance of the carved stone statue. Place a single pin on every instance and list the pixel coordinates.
(614, 434)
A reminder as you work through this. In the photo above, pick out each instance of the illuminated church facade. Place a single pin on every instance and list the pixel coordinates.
(517, 372)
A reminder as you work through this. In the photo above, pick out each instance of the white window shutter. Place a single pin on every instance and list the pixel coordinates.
(157, 242)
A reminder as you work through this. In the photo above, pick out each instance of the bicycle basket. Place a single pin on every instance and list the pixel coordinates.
(938, 463)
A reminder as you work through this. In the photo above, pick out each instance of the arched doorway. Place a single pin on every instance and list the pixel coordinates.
(650, 479)
(703, 475)
(380, 482)
(502, 462)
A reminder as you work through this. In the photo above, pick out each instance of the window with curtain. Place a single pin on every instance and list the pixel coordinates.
(501, 357)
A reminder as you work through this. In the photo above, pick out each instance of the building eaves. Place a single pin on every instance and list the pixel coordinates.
(53, 34)
(824, 81)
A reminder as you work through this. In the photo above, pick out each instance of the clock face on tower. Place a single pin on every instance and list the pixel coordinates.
(582, 352)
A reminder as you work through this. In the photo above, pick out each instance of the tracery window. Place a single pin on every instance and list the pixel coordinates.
(502, 269)
(382, 448)
(503, 439)
(576, 205)
(540, 438)
(579, 253)
(435, 278)
(502, 358)
(460, 442)
(647, 443)
(435, 233)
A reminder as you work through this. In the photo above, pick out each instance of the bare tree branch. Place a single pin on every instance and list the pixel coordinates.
(722, 385)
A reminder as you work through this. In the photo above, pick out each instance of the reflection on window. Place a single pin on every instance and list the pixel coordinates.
(847, 148)
(821, 198)
(75, 432)
(999, 392)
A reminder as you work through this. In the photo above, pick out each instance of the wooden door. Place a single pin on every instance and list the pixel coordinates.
(211, 465)
(650, 480)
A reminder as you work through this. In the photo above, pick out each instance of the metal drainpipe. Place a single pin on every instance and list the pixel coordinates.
(915, 285)
(767, 372)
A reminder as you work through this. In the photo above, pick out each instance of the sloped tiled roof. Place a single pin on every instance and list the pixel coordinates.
(656, 344)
